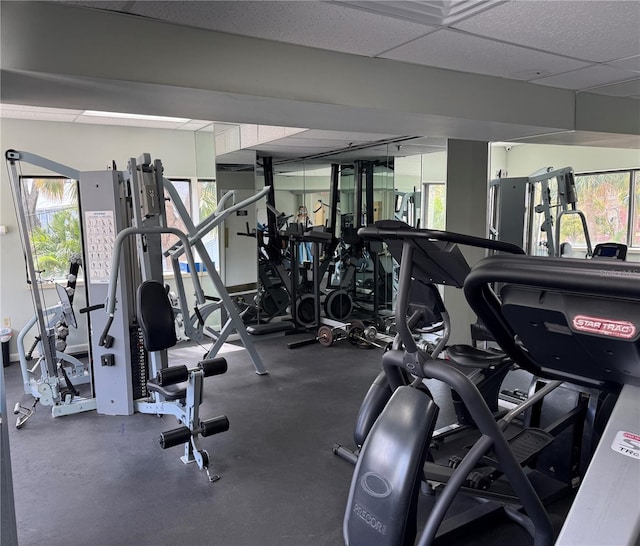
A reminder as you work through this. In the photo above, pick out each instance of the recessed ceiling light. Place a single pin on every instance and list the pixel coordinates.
(98, 113)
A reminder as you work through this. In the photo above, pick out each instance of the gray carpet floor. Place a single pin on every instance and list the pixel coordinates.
(90, 479)
(93, 480)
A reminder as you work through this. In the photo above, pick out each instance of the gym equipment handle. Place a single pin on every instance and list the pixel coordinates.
(172, 375)
(213, 366)
(215, 425)
(174, 437)
(91, 308)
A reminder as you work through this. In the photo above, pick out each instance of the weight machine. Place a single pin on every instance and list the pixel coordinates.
(512, 209)
(116, 205)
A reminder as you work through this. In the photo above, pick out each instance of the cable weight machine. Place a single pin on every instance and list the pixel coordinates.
(126, 375)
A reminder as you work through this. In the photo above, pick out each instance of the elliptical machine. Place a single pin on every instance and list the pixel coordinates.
(396, 462)
(425, 313)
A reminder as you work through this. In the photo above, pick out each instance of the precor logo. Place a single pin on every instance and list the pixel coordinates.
(375, 485)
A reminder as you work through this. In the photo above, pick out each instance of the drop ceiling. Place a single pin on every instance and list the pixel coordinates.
(578, 45)
(582, 45)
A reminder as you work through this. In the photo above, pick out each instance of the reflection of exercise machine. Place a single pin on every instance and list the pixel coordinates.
(513, 209)
(281, 265)
(407, 207)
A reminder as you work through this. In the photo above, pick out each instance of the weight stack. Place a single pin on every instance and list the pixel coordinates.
(139, 363)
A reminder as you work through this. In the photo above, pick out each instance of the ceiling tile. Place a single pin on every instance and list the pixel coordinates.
(459, 51)
(356, 138)
(630, 63)
(592, 30)
(195, 125)
(93, 120)
(38, 109)
(11, 113)
(121, 5)
(308, 143)
(429, 12)
(586, 78)
(629, 88)
(314, 24)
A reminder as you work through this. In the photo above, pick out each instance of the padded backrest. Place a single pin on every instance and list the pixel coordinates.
(155, 316)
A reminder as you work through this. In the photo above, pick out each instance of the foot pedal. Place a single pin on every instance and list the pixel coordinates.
(525, 445)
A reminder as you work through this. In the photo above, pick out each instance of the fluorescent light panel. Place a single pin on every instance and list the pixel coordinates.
(123, 115)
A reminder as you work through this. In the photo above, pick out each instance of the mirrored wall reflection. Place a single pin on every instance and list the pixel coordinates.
(311, 261)
(420, 197)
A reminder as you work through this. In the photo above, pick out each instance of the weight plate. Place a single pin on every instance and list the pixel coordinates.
(306, 310)
(338, 305)
(325, 336)
(371, 333)
(356, 335)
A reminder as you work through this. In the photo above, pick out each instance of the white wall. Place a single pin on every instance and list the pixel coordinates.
(86, 148)
(522, 160)
(239, 264)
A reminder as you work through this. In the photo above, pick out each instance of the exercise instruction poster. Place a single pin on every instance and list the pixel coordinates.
(100, 234)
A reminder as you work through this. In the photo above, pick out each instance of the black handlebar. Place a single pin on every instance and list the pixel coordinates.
(91, 308)
(403, 231)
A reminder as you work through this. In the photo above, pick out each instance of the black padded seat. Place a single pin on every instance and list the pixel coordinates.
(171, 393)
(470, 357)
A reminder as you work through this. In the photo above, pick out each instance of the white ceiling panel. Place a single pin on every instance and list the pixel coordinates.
(459, 51)
(587, 138)
(631, 63)
(196, 125)
(354, 137)
(518, 39)
(314, 24)
(9, 112)
(307, 143)
(94, 120)
(591, 30)
(625, 89)
(586, 78)
(121, 5)
(42, 109)
(428, 12)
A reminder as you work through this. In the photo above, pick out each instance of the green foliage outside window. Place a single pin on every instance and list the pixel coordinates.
(55, 244)
(437, 204)
(604, 200)
(207, 200)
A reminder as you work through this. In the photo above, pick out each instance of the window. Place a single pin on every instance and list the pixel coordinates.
(206, 198)
(183, 188)
(434, 205)
(604, 200)
(51, 207)
(610, 202)
(200, 201)
(635, 231)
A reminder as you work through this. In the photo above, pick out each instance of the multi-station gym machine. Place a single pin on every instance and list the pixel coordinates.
(125, 377)
(514, 203)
